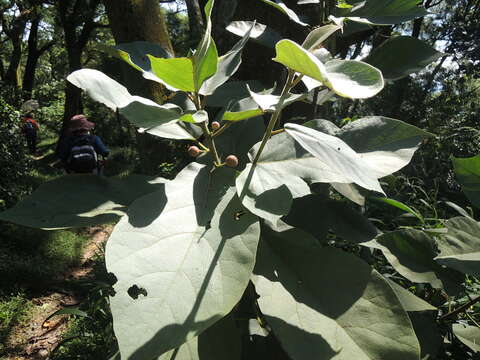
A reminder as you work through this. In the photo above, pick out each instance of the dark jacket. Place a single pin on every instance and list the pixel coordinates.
(67, 143)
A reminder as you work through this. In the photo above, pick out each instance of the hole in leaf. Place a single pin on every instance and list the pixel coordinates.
(134, 292)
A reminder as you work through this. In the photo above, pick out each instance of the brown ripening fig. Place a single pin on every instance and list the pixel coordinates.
(231, 161)
(193, 151)
(215, 125)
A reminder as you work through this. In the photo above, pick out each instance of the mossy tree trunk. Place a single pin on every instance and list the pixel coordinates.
(142, 20)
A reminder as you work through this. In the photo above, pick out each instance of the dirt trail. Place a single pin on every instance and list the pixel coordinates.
(36, 338)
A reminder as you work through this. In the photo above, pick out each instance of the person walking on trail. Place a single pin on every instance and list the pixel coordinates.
(29, 129)
(79, 150)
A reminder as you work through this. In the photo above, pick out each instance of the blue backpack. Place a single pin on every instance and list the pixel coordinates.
(82, 157)
(29, 129)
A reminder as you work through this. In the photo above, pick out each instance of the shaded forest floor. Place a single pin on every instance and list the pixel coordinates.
(35, 335)
(43, 272)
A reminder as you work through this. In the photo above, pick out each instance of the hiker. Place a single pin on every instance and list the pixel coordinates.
(29, 129)
(79, 150)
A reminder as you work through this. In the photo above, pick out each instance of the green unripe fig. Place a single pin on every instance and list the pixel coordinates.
(231, 161)
(194, 151)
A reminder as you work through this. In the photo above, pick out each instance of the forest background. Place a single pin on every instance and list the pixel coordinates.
(44, 41)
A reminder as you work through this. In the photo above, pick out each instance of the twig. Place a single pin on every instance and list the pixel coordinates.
(460, 309)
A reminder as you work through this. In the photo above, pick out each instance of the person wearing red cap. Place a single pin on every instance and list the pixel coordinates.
(79, 149)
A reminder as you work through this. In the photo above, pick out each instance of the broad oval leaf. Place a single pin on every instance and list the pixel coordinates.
(467, 171)
(411, 252)
(323, 303)
(353, 79)
(340, 158)
(295, 57)
(400, 56)
(144, 113)
(460, 246)
(80, 200)
(347, 78)
(183, 259)
(386, 144)
(101, 88)
(387, 12)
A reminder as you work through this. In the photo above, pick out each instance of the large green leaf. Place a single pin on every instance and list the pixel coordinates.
(386, 144)
(467, 171)
(159, 120)
(336, 155)
(411, 252)
(259, 33)
(279, 5)
(323, 303)
(183, 258)
(353, 79)
(468, 335)
(101, 88)
(80, 200)
(228, 64)
(387, 12)
(460, 246)
(347, 78)
(219, 342)
(299, 59)
(400, 56)
(175, 73)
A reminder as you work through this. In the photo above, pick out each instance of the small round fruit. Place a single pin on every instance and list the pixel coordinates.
(215, 125)
(193, 151)
(231, 161)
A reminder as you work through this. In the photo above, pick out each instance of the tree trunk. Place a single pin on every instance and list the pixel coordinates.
(195, 22)
(142, 20)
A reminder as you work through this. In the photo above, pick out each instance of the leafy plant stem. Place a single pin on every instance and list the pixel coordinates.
(275, 115)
